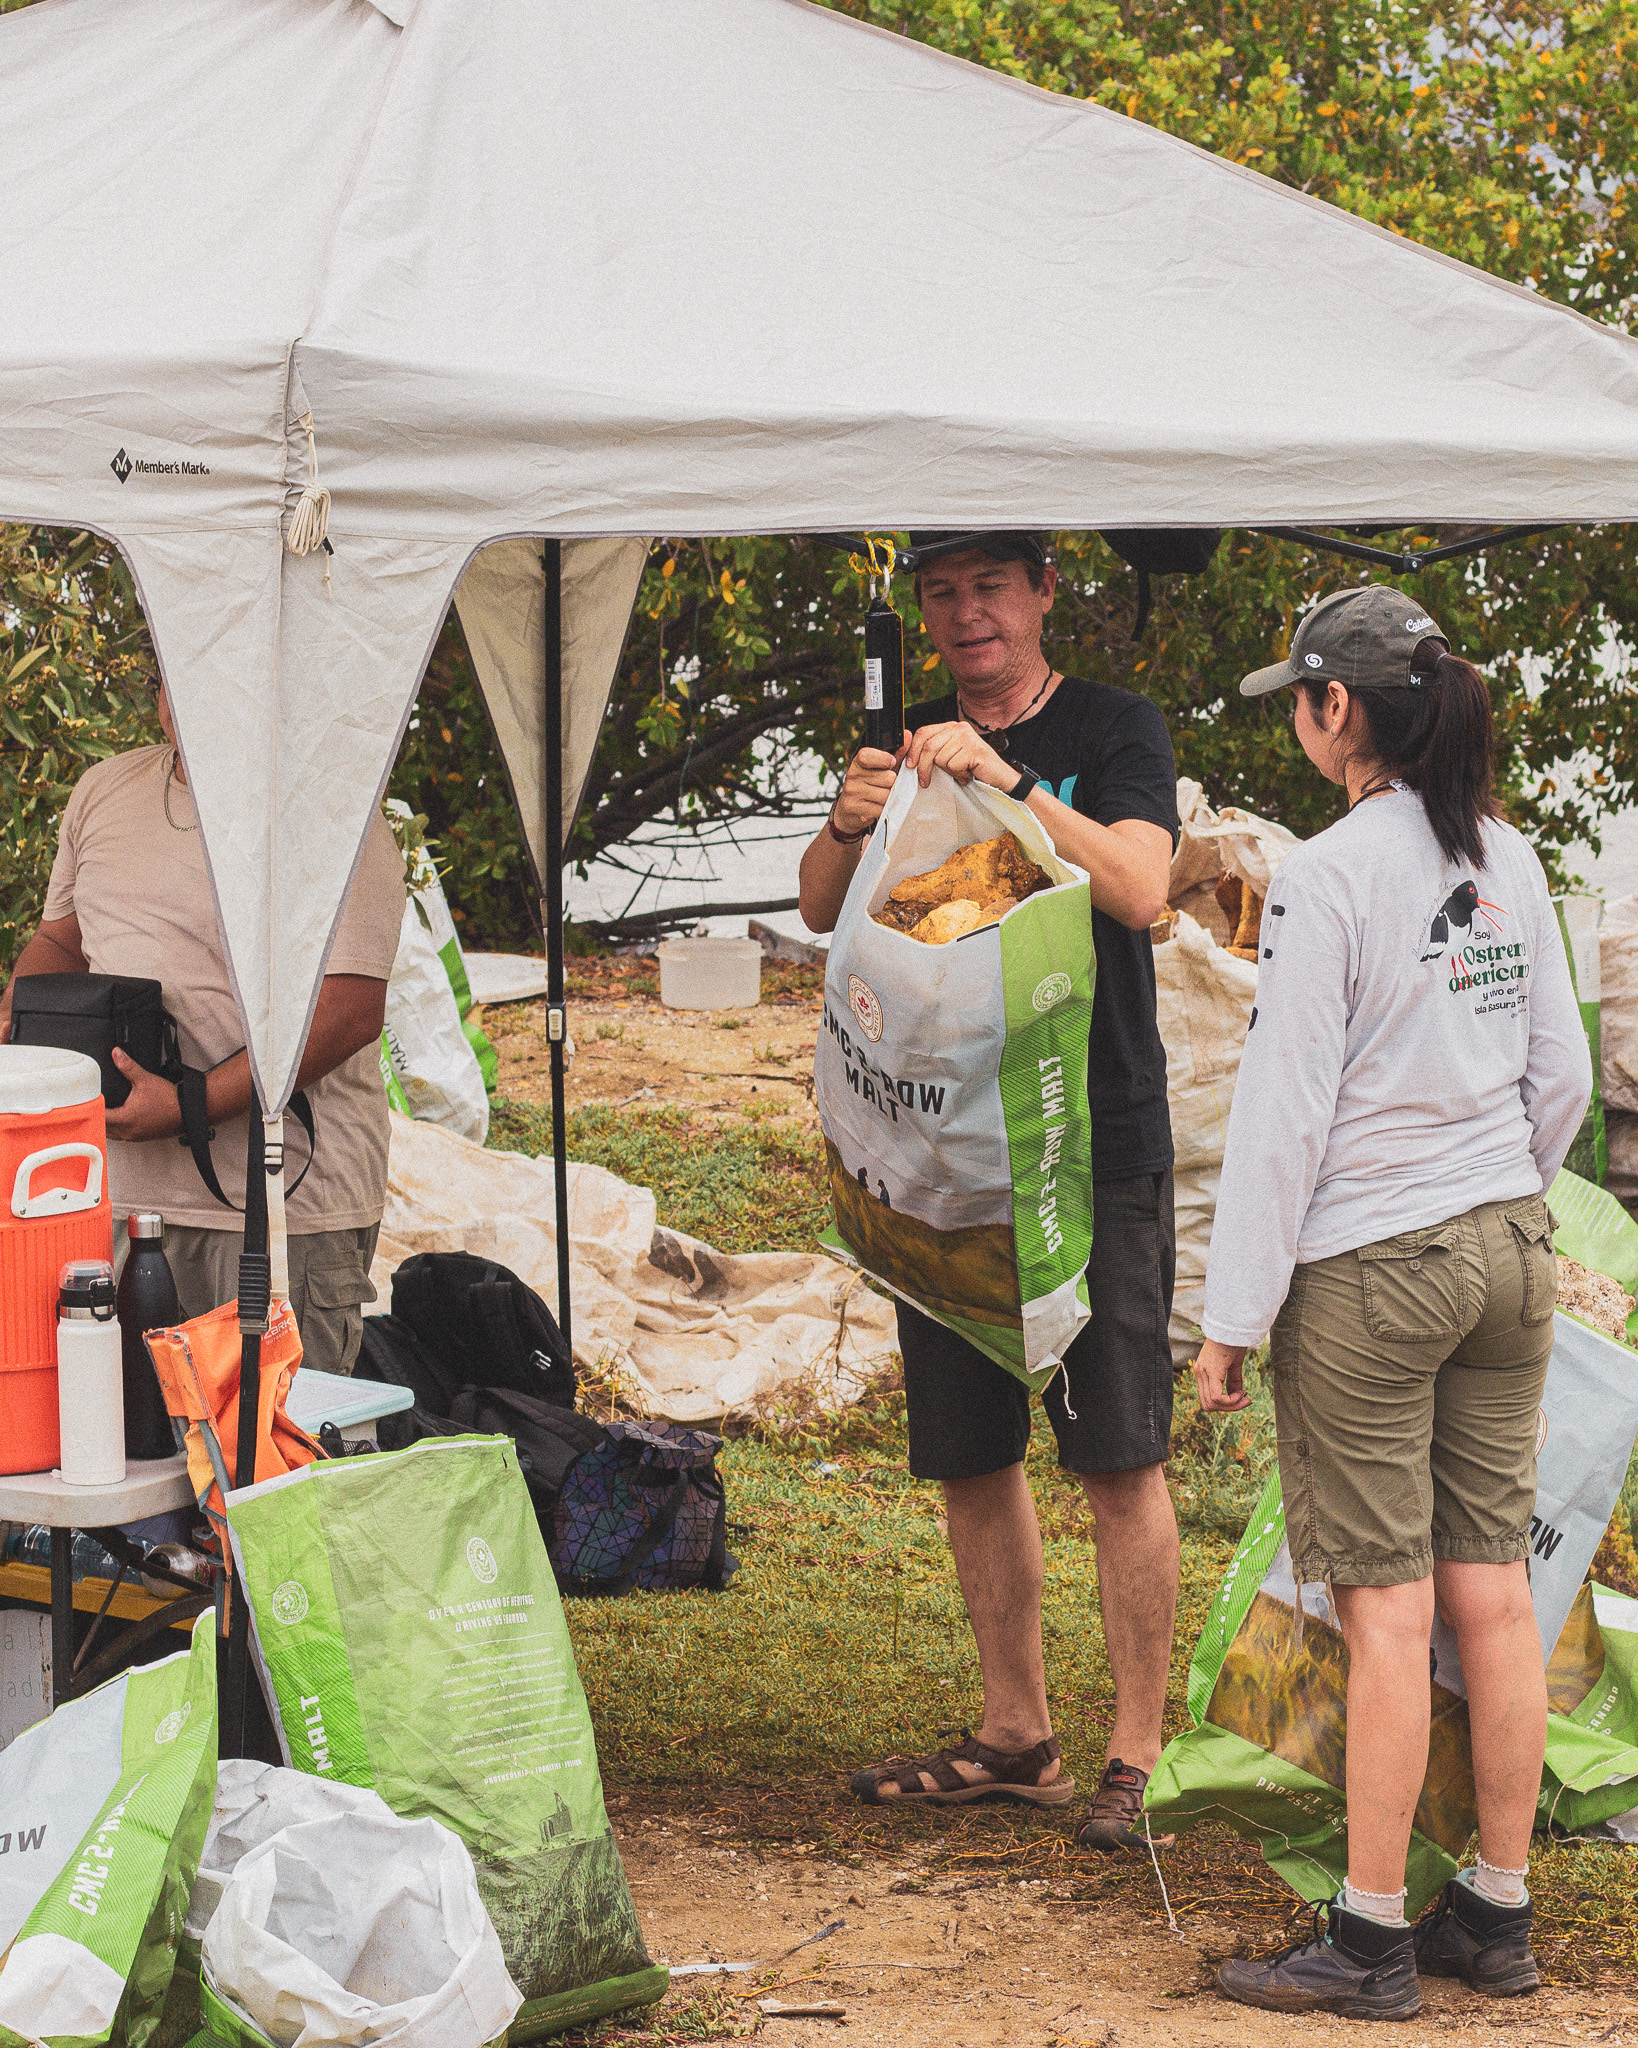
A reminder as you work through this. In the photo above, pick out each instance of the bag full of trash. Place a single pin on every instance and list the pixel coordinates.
(1268, 1695)
(359, 1930)
(951, 1071)
(1589, 1783)
(103, 1808)
(409, 1630)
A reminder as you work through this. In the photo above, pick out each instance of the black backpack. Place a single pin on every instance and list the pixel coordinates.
(478, 1325)
(548, 1438)
(390, 1350)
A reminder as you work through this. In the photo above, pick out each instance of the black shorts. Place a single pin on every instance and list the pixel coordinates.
(969, 1417)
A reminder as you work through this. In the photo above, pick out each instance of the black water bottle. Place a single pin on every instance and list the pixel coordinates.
(884, 677)
(146, 1301)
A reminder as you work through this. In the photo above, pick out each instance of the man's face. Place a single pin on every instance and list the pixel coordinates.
(983, 616)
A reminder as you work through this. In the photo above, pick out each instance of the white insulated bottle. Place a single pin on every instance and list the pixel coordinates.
(90, 1376)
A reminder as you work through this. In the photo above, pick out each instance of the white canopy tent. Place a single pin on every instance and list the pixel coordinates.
(538, 268)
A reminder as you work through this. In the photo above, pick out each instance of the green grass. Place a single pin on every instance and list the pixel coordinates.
(746, 1186)
(844, 1637)
(846, 1577)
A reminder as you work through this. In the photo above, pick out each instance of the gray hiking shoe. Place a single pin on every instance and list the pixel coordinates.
(1488, 1946)
(1357, 1968)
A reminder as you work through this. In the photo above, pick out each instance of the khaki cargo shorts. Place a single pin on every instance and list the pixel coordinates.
(1407, 1397)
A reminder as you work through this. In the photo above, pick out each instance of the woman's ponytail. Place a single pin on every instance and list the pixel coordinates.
(1436, 737)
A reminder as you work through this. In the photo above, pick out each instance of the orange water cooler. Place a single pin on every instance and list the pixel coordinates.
(53, 1207)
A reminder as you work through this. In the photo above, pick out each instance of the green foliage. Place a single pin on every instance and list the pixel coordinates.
(75, 671)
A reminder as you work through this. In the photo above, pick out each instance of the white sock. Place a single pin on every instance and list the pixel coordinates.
(1500, 1886)
(1387, 1908)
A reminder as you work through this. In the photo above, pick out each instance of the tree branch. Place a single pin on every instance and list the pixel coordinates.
(725, 739)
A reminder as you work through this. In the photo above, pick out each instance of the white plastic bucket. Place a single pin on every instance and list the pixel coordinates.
(710, 974)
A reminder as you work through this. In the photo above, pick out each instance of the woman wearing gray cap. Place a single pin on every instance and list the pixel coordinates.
(1415, 1072)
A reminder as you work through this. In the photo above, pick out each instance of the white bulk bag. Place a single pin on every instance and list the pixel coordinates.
(951, 1087)
(360, 1931)
(423, 1042)
(253, 1801)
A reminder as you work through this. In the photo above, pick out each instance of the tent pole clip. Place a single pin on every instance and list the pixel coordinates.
(557, 1028)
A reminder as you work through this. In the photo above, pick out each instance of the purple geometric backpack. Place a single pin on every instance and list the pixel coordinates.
(644, 1508)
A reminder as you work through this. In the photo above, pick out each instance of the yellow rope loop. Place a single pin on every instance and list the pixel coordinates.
(874, 567)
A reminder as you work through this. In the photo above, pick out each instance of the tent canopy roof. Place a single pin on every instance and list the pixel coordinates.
(539, 268)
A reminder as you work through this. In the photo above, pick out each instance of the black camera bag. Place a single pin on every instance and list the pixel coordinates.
(94, 1013)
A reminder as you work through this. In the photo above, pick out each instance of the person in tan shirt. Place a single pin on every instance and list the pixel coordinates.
(129, 894)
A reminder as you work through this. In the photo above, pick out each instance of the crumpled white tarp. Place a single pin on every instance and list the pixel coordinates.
(696, 1335)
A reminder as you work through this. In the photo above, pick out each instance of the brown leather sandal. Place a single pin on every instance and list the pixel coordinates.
(1116, 1817)
(1013, 1774)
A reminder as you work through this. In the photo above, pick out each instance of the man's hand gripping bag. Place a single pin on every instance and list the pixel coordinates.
(951, 1084)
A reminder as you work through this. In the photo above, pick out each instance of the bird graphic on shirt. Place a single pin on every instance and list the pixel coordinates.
(1459, 908)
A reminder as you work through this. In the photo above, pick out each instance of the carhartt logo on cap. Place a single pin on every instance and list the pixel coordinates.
(1420, 624)
(1315, 660)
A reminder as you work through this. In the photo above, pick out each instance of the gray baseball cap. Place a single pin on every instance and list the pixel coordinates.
(1363, 638)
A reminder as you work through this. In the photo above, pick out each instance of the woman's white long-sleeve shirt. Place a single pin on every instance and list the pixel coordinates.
(1415, 1050)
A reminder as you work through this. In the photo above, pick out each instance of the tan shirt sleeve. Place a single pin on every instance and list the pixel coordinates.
(367, 939)
(65, 868)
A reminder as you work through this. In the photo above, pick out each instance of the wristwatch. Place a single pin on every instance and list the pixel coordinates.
(1027, 782)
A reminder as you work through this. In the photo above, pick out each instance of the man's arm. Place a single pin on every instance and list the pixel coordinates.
(1129, 863)
(54, 949)
(827, 866)
(348, 1016)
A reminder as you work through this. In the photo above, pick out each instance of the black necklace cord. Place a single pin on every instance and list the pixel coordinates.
(991, 731)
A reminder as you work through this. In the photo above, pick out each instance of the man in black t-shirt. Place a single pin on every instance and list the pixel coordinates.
(1095, 765)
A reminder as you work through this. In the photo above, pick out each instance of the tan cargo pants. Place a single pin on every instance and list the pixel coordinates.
(1407, 1397)
(329, 1284)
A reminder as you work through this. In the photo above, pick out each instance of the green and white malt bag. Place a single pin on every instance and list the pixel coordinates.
(1590, 1780)
(1269, 1702)
(409, 1629)
(951, 1085)
(103, 1810)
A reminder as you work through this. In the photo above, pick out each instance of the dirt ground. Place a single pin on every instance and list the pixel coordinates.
(629, 1049)
(925, 1959)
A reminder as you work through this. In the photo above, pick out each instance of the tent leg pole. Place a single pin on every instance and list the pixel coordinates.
(278, 1241)
(551, 913)
(255, 1280)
